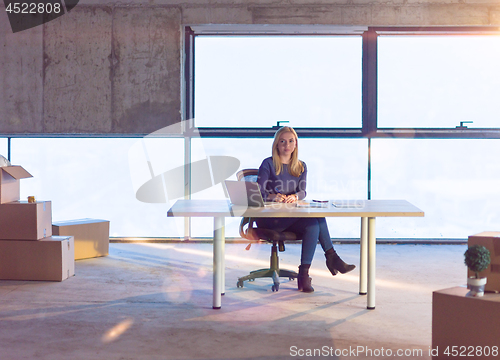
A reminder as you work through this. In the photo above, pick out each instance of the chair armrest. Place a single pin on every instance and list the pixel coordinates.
(244, 221)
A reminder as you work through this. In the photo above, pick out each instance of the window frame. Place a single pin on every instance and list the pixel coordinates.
(459, 132)
(369, 128)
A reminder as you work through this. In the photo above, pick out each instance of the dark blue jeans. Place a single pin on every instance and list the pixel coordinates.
(310, 230)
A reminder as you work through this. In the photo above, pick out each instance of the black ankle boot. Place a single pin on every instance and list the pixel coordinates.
(335, 264)
(303, 280)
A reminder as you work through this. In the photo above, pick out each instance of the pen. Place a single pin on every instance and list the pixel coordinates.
(280, 193)
(277, 191)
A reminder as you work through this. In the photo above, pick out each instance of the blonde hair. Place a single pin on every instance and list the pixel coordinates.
(295, 168)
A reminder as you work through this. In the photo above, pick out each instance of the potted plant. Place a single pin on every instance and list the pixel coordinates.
(477, 259)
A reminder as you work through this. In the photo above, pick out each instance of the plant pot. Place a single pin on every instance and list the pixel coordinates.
(476, 286)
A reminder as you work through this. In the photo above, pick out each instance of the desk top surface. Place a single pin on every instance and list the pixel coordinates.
(348, 208)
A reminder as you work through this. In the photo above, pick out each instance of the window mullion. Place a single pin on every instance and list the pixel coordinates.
(369, 83)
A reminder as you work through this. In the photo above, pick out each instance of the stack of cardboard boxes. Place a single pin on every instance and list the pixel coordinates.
(28, 251)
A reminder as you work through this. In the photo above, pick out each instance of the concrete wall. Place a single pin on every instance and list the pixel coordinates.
(115, 67)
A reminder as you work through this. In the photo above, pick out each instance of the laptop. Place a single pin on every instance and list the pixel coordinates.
(245, 193)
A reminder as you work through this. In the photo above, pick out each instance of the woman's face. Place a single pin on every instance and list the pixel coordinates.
(286, 144)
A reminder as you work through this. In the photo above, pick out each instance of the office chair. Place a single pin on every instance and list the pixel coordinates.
(248, 231)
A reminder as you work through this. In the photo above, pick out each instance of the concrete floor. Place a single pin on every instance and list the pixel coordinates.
(154, 301)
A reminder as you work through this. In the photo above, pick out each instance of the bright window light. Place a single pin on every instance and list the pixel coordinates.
(337, 169)
(255, 81)
(91, 178)
(438, 81)
(455, 182)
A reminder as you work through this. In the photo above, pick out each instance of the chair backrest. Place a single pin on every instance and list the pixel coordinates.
(247, 229)
(247, 175)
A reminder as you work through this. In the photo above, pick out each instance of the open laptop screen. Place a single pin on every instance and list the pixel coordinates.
(244, 193)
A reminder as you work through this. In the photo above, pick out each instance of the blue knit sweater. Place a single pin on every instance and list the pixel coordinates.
(284, 183)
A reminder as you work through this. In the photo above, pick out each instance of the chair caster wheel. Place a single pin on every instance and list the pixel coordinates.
(291, 278)
(251, 279)
(239, 284)
(275, 287)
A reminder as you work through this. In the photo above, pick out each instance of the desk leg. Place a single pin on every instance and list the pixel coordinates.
(218, 264)
(223, 258)
(372, 244)
(363, 256)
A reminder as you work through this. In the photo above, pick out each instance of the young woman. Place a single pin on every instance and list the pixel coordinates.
(282, 178)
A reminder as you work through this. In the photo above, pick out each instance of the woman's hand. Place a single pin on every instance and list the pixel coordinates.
(285, 198)
(291, 198)
(280, 198)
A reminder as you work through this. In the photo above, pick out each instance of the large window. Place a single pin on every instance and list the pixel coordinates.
(336, 169)
(438, 81)
(455, 182)
(250, 152)
(421, 82)
(91, 178)
(255, 81)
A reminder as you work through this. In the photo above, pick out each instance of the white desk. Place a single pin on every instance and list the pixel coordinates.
(370, 209)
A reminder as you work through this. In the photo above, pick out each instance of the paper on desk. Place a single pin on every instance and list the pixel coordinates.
(311, 204)
(349, 204)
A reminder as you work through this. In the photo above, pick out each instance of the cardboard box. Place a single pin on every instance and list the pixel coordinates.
(491, 241)
(91, 236)
(460, 322)
(50, 259)
(21, 220)
(9, 182)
